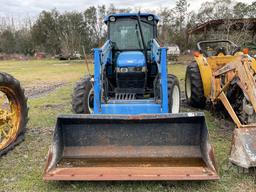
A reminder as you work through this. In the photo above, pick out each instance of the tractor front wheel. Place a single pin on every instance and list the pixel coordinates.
(13, 113)
(194, 86)
(82, 98)
(173, 94)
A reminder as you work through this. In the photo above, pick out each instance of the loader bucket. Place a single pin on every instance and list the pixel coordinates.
(243, 150)
(121, 147)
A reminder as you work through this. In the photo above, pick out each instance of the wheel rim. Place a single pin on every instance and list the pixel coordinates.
(9, 117)
(188, 87)
(90, 100)
(175, 99)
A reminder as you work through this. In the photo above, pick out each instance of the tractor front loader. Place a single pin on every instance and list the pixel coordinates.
(223, 74)
(127, 124)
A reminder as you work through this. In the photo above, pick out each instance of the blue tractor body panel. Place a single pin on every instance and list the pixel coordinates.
(131, 59)
(131, 109)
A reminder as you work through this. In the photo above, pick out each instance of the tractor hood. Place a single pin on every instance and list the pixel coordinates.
(131, 59)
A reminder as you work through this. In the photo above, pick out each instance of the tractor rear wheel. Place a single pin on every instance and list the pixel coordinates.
(82, 98)
(173, 94)
(194, 86)
(13, 113)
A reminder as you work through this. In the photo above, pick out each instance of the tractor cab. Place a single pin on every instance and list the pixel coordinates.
(131, 72)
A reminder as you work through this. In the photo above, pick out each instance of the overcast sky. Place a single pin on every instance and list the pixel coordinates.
(31, 8)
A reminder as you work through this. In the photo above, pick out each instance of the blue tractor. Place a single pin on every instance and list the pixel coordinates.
(127, 124)
(130, 72)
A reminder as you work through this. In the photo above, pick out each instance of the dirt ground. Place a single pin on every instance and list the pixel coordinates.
(49, 85)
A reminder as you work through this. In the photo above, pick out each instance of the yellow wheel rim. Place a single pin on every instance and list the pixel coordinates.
(9, 117)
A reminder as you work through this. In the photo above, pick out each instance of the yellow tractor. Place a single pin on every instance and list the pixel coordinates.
(13, 112)
(221, 73)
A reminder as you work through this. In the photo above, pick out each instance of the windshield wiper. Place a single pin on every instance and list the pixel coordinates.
(143, 21)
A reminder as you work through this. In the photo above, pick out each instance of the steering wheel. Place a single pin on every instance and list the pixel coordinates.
(222, 50)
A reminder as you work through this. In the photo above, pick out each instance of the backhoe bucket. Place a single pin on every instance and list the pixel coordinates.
(243, 150)
(121, 147)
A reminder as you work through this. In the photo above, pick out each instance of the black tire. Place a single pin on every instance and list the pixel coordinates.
(173, 94)
(194, 86)
(82, 98)
(13, 91)
(236, 98)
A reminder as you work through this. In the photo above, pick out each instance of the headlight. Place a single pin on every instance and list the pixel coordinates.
(124, 70)
(131, 69)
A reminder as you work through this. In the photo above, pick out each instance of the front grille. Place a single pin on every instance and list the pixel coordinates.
(125, 96)
(131, 80)
(130, 69)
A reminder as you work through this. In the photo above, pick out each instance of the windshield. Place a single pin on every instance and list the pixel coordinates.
(125, 33)
(212, 48)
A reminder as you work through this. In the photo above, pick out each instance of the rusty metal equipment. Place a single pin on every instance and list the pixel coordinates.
(229, 79)
(241, 72)
(142, 147)
(134, 130)
(13, 113)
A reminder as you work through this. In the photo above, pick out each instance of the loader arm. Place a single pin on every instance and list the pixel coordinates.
(102, 56)
(159, 56)
(242, 72)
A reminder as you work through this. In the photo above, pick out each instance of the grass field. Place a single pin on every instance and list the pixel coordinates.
(49, 85)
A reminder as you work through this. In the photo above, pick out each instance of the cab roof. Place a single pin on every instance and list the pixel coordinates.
(119, 15)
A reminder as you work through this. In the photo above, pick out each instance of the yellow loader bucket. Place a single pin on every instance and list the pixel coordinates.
(121, 147)
(243, 150)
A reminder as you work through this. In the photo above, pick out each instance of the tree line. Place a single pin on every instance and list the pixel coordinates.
(54, 32)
